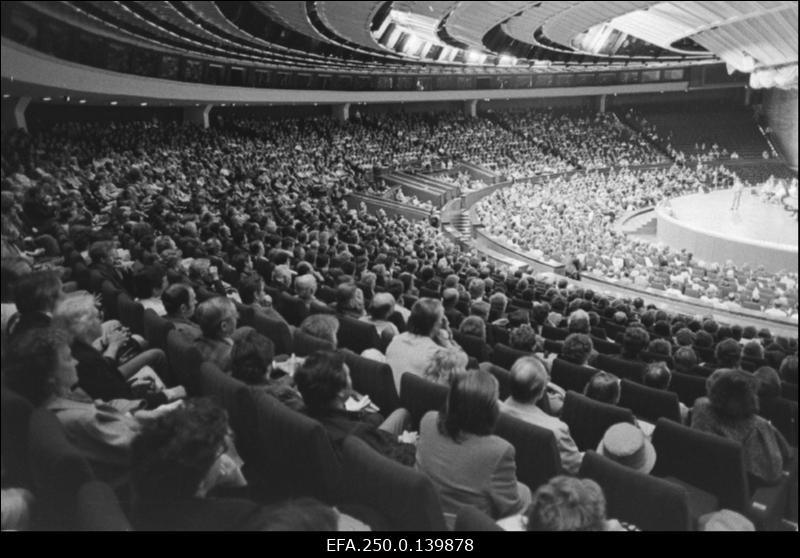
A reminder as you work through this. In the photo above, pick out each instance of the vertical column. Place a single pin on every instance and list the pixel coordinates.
(748, 94)
(471, 108)
(14, 113)
(601, 106)
(197, 115)
(342, 112)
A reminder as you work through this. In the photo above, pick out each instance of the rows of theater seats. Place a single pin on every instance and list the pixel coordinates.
(288, 454)
(734, 130)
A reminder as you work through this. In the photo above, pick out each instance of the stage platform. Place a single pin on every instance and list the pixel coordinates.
(757, 233)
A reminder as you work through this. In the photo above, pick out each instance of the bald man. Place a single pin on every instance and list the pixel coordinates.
(529, 379)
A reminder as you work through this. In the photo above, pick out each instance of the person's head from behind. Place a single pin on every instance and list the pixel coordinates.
(728, 354)
(684, 337)
(251, 357)
(472, 406)
(151, 281)
(568, 504)
(578, 322)
(382, 306)
(305, 286)
(39, 291)
(323, 380)
(733, 394)
(473, 325)
(685, 359)
(529, 379)
(703, 339)
(769, 383)
(577, 348)
(657, 375)
(660, 347)
(445, 363)
(179, 300)
(38, 364)
(426, 317)
(450, 297)
(634, 341)
(788, 369)
(217, 317)
(603, 387)
(301, 514)
(322, 326)
(185, 454)
(350, 300)
(79, 317)
(481, 309)
(753, 350)
(476, 288)
(523, 338)
(497, 304)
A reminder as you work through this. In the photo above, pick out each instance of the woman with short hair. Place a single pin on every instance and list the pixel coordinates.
(39, 365)
(458, 451)
(100, 375)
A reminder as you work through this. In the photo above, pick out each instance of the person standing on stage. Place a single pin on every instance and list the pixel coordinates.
(738, 188)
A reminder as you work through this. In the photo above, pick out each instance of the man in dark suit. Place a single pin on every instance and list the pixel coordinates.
(103, 258)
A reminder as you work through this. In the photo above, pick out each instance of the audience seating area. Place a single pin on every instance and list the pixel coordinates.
(287, 453)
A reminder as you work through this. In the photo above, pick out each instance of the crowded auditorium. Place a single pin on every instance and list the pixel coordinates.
(427, 267)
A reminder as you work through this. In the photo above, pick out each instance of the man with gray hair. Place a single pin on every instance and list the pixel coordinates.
(306, 288)
(477, 289)
(529, 381)
(578, 322)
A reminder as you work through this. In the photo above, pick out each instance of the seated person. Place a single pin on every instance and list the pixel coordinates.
(100, 375)
(685, 360)
(627, 445)
(466, 462)
(177, 461)
(529, 381)
(180, 303)
(788, 369)
(322, 326)
(381, 307)
(104, 259)
(251, 362)
(39, 366)
(36, 295)
(578, 349)
(571, 504)
(217, 318)
(603, 387)
(251, 290)
(444, 365)
(350, 301)
(413, 350)
(658, 376)
(151, 282)
(731, 410)
(324, 382)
